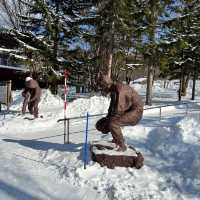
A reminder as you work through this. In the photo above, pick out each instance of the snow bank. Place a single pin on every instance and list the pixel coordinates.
(50, 108)
(93, 105)
(48, 100)
(170, 147)
(171, 170)
(172, 161)
(79, 107)
(190, 128)
(119, 184)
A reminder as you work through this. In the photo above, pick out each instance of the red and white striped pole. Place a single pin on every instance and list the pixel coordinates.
(66, 73)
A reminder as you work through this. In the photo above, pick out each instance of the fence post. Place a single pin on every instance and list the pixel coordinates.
(86, 140)
(67, 131)
(66, 73)
(8, 88)
(64, 130)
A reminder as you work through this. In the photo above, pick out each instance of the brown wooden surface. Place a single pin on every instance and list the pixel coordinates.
(112, 161)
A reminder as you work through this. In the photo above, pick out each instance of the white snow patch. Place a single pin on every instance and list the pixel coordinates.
(93, 105)
(128, 152)
(34, 159)
(190, 128)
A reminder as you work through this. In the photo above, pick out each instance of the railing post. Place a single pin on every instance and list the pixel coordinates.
(64, 130)
(86, 141)
(67, 131)
(8, 100)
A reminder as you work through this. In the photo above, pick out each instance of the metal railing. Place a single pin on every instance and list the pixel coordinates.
(67, 120)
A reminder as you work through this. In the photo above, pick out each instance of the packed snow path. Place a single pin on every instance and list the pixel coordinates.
(24, 176)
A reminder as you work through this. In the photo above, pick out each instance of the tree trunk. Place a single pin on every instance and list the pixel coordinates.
(110, 59)
(78, 89)
(110, 51)
(56, 33)
(165, 83)
(179, 91)
(149, 86)
(180, 86)
(185, 81)
(194, 84)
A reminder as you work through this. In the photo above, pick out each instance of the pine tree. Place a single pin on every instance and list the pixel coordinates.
(183, 45)
(114, 28)
(153, 11)
(49, 31)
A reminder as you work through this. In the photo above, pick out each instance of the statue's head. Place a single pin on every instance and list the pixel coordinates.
(104, 82)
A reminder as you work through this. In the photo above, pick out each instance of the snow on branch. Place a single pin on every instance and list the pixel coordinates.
(180, 63)
(19, 56)
(134, 65)
(26, 45)
(58, 74)
(4, 50)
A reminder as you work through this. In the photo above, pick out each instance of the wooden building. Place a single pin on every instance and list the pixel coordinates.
(9, 68)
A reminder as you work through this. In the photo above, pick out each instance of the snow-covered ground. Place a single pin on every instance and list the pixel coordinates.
(36, 165)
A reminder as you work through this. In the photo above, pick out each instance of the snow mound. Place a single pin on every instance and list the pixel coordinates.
(93, 105)
(47, 100)
(50, 108)
(164, 141)
(171, 145)
(116, 184)
(190, 128)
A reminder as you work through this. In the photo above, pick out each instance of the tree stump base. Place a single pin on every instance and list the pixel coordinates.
(106, 154)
